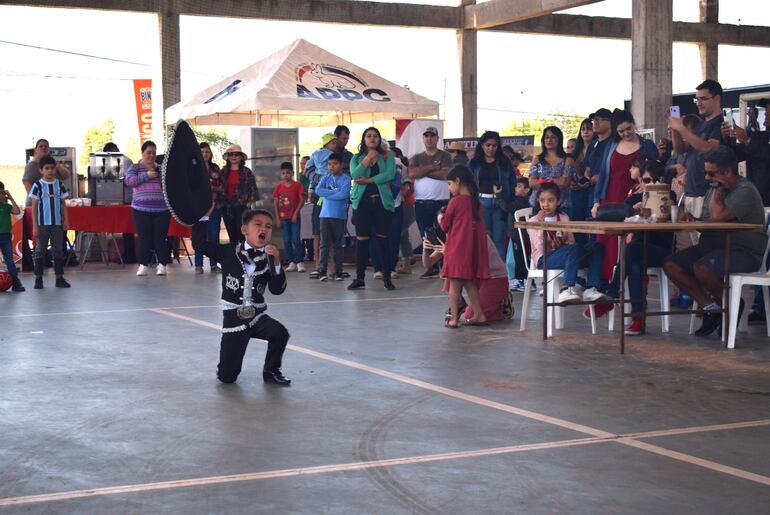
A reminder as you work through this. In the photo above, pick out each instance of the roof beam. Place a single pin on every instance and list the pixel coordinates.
(620, 28)
(499, 12)
(414, 15)
(327, 11)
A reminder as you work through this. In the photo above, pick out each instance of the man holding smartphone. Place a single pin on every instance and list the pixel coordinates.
(706, 136)
(428, 171)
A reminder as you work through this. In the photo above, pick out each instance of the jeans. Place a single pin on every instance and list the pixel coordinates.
(635, 272)
(152, 229)
(394, 242)
(332, 236)
(426, 211)
(291, 240)
(232, 217)
(496, 223)
(407, 213)
(215, 222)
(6, 247)
(54, 234)
(571, 258)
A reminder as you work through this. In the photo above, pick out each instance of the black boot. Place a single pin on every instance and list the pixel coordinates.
(387, 267)
(362, 259)
(17, 286)
(39, 282)
(61, 282)
(275, 376)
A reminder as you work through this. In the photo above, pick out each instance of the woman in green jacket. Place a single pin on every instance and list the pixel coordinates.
(371, 171)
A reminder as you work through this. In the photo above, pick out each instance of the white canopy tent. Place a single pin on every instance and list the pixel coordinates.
(301, 85)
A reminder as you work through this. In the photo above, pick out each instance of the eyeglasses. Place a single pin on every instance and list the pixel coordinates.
(698, 100)
(233, 154)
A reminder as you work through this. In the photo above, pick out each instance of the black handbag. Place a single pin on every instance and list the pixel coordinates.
(614, 212)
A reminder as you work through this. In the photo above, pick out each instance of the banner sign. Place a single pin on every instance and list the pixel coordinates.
(524, 145)
(143, 96)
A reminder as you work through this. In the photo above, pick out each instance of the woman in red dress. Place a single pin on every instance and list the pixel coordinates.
(465, 253)
(613, 186)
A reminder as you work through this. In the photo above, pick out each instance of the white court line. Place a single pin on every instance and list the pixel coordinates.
(303, 471)
(598, 436)
(291, 303)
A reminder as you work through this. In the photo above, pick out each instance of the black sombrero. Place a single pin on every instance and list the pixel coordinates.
(186, 185)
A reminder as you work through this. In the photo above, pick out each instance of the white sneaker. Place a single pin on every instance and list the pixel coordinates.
(378, 275)
(569, 295)
(291, 268)
(592, 295)
(142, 270)
(300, 267)
(161, 270)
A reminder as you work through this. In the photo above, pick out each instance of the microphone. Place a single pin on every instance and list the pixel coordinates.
(271, 265)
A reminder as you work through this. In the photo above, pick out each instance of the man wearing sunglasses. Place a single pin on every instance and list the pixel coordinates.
(699, 270)
(706, 136)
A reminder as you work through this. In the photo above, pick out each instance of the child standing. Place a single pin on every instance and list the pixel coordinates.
(248, 269)
(49, 221)
(317, 167)
(288, 198)
(334, 189)
(8, 207)
(562, 250)
(465, 252)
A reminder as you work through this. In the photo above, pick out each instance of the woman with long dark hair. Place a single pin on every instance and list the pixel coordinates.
(240, 191)
(615, 179)
(495, 178)
(148, 208)
(552, 165)
(371, 170)
(214, 221)
(465, 252)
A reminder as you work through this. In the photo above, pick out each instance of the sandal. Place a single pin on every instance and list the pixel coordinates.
(448, 323)
(473, 322)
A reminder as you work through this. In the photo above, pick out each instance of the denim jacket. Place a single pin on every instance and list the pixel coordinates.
(647, 149)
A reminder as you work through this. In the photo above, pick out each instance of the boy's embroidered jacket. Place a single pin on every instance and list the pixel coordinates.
(234, 276)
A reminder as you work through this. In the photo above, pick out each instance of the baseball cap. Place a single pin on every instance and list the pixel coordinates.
(327, 138)
(602, 113)
(430, 130)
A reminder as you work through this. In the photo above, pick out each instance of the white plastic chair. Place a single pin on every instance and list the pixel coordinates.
(737, 282)
(552, 286)
(665, 299)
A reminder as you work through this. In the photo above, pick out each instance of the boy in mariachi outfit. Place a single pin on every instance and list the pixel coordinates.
(249, 268)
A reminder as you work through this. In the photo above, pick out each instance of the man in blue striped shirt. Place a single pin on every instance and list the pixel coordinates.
(49, 221)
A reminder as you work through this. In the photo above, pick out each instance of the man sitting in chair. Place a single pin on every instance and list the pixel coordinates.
(699, 270)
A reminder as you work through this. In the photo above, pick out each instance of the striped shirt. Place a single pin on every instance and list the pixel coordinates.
(50, 196)
(148, 193)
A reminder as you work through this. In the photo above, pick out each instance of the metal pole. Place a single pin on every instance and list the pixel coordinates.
(545, 285)
(622, 258)
(726, 292)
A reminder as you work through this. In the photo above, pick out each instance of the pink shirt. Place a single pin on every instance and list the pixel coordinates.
(536, 238)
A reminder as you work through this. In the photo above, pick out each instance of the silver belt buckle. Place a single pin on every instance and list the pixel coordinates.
(246, 312)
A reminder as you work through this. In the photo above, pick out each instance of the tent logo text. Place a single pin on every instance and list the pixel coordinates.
(321, 81)
(229, 90)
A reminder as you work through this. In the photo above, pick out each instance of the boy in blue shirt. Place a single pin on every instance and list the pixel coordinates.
(49, 220)
(334, 189)
(317, 167)
(8, 207)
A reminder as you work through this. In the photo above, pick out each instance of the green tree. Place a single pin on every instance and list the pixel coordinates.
(95, 139)
(568, 123)
(216, 138)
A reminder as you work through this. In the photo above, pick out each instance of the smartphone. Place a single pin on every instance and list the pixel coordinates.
(727, 114)
(673, 112)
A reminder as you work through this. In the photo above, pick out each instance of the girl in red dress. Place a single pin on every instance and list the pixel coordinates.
(465, 252)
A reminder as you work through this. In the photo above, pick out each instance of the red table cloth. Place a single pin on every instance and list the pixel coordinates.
(107, 219)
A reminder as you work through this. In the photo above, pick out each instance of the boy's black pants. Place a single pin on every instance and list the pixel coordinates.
(233, 345)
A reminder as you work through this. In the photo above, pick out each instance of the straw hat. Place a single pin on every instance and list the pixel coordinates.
(457, 146)
(234, 148)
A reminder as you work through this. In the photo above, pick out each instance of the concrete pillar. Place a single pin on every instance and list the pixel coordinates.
(168, 26)
(467, 50)
(709, 50)
(651, 63)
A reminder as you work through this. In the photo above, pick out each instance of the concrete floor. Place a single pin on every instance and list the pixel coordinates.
(109, 404)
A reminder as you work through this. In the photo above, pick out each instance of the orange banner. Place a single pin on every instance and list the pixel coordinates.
(143, 96)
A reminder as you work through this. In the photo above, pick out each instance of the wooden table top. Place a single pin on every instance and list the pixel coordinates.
(627, 227)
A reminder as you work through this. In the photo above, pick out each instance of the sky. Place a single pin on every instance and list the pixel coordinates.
(58, 96)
